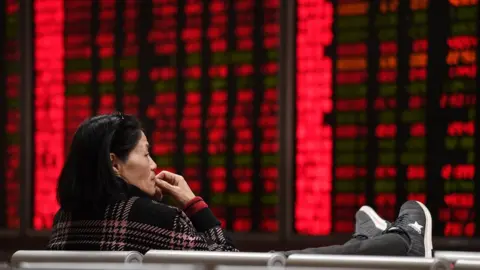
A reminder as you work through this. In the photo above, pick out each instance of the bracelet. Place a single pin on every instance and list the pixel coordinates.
(192, 202)
(196, 207)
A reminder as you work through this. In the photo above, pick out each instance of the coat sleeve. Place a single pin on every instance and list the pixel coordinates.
(170, 228)
(209, 237)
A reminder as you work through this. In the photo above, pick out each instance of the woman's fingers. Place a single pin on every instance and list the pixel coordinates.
(164, 186)
(176, 186)
(168, 177)
(158, 193)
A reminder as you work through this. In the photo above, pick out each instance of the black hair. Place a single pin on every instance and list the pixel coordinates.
(87, 180)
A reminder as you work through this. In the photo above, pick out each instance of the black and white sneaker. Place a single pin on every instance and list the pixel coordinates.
(415, 221)
(368, 223)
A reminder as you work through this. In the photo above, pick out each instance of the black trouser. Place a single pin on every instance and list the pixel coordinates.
(390, 244)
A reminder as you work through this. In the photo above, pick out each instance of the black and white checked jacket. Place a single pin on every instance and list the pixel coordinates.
(138, 223)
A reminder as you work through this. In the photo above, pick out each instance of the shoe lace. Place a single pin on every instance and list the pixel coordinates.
(359, 236)
(398, 224)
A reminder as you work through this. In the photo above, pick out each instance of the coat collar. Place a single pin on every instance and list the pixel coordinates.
(128, 191)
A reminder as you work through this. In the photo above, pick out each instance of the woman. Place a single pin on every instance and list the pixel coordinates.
(108, 194)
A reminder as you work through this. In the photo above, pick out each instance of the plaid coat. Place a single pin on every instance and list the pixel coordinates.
(138, 223)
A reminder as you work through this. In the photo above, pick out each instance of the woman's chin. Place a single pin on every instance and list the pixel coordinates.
(151, 192)
(148, 190)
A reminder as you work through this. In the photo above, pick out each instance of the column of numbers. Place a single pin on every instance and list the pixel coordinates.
(216, 122)
(191, 122)
(105, 42)
(458, 101)
(162, 109)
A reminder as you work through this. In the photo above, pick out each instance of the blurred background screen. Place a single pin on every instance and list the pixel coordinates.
(394, 84)
(201, 75)
(9, 114)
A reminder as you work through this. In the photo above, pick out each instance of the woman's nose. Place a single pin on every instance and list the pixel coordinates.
(153, 165)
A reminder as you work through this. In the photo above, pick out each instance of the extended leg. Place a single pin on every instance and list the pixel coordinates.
(409, 235)
(390, 244)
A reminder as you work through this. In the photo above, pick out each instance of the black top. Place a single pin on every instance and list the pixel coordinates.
(136, 222)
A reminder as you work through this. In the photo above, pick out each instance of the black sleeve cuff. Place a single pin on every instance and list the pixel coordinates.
(204, 220)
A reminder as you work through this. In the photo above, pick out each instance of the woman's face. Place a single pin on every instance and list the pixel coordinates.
(139, 169)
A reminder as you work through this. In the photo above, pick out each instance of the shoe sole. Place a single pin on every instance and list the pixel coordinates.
(427, 240)
(379, 222)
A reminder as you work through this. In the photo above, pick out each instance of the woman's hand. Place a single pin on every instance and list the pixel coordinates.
(158, 193)
(176, 186)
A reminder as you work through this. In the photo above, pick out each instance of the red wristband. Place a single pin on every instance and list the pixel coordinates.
(196, 208)
(192, 202)
(195, 205)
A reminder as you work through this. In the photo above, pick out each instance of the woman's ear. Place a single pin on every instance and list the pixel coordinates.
(115, 165)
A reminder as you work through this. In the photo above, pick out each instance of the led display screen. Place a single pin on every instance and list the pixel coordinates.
(201, 76)
(386, 109)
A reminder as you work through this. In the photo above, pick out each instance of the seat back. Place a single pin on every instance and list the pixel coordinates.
(453, 256)
(365, 262)
(78, 266)
(47, 256)
(214, 258)
(467, 265)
